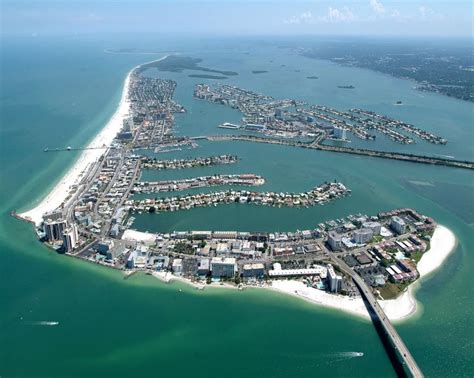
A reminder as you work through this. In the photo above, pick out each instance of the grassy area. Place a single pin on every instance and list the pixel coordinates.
(391, 290)
(416, 256)
(377, 238)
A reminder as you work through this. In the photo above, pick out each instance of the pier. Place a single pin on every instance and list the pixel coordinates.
(69, 148)
(316, 145)
(405, 359)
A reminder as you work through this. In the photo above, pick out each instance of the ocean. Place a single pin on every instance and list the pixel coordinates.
(58, 92)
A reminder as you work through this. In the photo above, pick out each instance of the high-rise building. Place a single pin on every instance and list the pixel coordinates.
(70, 238)
(398, 225)
(339, 133)
(54, 229)
(376, 227)
(363, 235)
(335, 241)
(223, 267)
(256, 270)
(334, 280)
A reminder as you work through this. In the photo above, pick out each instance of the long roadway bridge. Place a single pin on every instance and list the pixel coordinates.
(316, 144)
(403, 354)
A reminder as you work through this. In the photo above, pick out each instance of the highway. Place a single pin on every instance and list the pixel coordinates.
(396, 341)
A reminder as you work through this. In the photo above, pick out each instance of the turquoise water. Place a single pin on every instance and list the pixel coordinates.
(115, 327)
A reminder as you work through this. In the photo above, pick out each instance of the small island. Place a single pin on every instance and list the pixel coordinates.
(204, 76)
(346, 86)
(259, 71)
(312, 77)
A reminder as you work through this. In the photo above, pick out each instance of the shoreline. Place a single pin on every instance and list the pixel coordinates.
(82, 164)
(443, 243)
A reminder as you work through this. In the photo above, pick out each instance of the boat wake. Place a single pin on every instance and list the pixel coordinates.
(44, 323)
(350, 354)
(343, 356)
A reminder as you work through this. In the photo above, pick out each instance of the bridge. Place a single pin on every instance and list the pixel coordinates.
(378, 315)
(316, 145)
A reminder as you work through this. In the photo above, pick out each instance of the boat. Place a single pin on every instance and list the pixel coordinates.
(228, 125)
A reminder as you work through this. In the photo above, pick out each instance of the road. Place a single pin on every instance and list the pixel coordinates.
(316, 144)
(397, 342)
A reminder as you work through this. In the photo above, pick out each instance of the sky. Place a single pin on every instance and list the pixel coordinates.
(239, 17)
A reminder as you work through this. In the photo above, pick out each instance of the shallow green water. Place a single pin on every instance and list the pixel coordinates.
(115, 327)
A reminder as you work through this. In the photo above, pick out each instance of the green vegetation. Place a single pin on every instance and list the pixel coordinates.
(443, 68)
(175, 63)
(416, 256)
(392, 290)
(377, 239)
(391, 250)
(184, 248)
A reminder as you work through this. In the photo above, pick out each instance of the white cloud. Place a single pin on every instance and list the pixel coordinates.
(425, 11)
(377, 7)
(428, 14)
(343, 14)
(302, 18)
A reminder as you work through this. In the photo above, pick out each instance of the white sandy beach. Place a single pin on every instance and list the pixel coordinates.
(105, 137)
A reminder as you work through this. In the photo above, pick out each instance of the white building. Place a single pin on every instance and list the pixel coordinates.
(335, 241)
(178, 266)
(398, 225)
(376, 227)
(334, 280)
(277, 271)
(70, 238)
(339, 133)
(362, 235)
